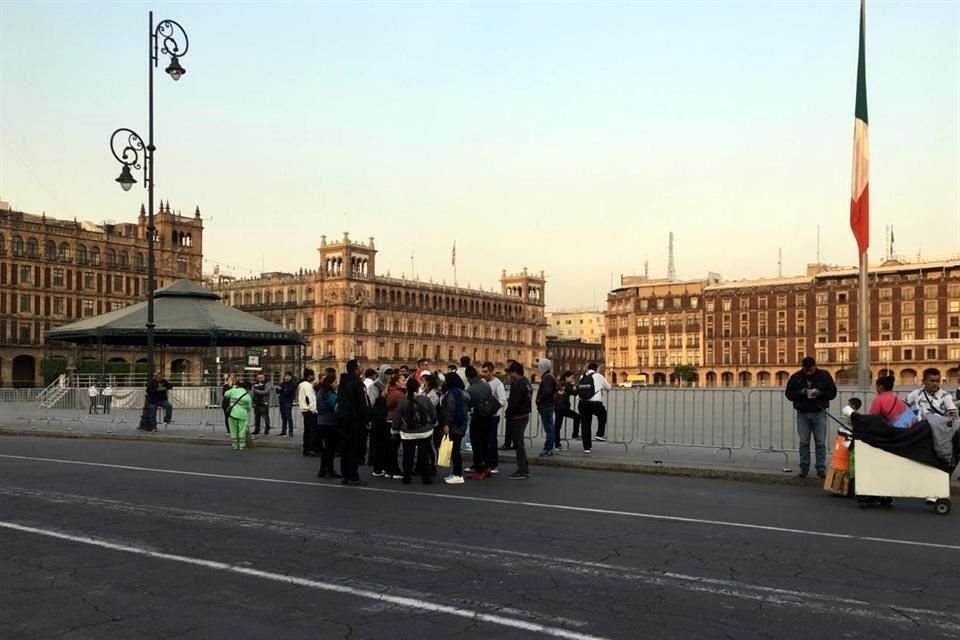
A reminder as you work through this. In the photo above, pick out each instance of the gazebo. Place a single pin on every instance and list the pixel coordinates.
(186, 315)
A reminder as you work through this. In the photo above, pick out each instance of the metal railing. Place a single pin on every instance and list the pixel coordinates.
(726, 420)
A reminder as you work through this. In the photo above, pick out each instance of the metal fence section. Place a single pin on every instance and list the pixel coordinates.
(703, 418)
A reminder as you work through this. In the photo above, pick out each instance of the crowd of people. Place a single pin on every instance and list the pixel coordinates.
(394, 419)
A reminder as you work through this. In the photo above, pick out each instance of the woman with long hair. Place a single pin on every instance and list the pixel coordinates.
(327, 424)
(454, 419)
(415, 419)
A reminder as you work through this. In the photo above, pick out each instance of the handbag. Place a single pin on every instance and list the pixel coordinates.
(445, 454)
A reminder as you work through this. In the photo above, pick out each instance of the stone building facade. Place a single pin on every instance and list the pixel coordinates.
(755, 332)
(53, 272)
(576, 324)
(345, 310)
(575, 355)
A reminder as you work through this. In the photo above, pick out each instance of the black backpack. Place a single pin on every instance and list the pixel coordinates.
(488, 407)
(415, 416)
(585, 388)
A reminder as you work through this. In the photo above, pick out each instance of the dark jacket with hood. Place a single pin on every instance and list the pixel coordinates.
(520, 400)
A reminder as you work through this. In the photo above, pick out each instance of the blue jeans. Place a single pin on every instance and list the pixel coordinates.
(493, 441)
(814, 424)
(167, 410)
(549, 430)
(286, 418)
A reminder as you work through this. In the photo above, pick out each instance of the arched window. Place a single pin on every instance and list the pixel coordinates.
(124, 259)
(95, 256)
(256, 298)
(3, 246)
(111, 258)
(49, 250)
(81, 254)
(17, 247)
(64, 251)
(292, 295)
(33, 248)
(138, 261)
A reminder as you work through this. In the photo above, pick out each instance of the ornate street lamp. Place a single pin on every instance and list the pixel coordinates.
(169, 39)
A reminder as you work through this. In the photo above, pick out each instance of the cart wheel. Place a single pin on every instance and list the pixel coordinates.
(942, 507)
(886, 502)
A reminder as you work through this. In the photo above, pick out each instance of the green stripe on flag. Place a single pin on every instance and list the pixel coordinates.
(861, 109)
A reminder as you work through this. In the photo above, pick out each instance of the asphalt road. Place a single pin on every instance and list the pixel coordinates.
(146, 540)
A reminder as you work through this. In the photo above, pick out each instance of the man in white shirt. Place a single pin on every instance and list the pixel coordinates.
(94, 394)
(107, 398)
(307, 399)
(931, 399)
(500, 393)
(590, 390)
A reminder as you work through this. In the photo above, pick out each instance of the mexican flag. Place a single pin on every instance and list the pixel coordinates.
(860, 196)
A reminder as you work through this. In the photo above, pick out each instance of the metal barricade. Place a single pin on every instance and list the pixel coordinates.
(703, 418)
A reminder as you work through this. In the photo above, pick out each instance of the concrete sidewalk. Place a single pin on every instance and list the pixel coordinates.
(773, 467)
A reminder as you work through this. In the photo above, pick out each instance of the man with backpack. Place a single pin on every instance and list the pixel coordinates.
(590, 390)
(546, 402)
(483, 407)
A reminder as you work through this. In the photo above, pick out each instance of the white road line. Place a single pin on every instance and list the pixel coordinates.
(818, 603)
(400, 601)
(511, 503)
(812, 602)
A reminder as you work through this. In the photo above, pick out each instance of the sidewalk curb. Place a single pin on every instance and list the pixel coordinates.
(593, 464)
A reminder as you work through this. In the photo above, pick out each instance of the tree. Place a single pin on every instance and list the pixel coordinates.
(685, 373)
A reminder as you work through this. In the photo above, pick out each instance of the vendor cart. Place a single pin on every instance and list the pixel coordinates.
(881, 476)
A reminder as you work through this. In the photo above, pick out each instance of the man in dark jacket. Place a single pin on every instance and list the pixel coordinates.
(546, 401)
(811, 390)
(518, 415)
(480, 394)
(262, 390)
(287, 394)
(352, 418)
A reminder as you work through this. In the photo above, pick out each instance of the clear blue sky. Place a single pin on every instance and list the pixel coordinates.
(568, 137)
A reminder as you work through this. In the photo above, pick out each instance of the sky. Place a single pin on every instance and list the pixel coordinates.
(568, 137)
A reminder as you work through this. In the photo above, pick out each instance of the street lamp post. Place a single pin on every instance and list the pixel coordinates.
(168, 38)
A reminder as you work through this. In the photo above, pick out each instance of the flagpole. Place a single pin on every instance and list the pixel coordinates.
(863, 317)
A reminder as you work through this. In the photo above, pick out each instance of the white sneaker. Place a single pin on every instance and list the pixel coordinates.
(454, 480)
(397, 477)
(586, 450)
(445, 478)
(494, 471)
(600, 438)
(379, 474)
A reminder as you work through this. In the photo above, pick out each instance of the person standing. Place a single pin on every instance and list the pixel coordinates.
(163, 398)
(500, 394)
(423, 368)
(107, 398)
(286, 395)
(565, 393)
(415, 418)
(394, 394)
(365, 450)
(353, 416)
(519, 405)
(238, 410)
(380, 433)
(307, 399)
(590, 390)
(931, 399)
(811, 390)
(546, 402)
(152, 398)
(507, 444)
(480, 398)
(327, 429)
(225, 405)
(454, 420)
(94, 395)
(262, 390)
(431, 390)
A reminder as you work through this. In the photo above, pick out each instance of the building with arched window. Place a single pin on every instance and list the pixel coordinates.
(56, 271)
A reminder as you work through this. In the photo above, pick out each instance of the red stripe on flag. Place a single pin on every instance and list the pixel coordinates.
(860, 219)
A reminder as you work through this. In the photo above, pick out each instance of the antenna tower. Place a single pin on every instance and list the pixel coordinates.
(671, 266)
